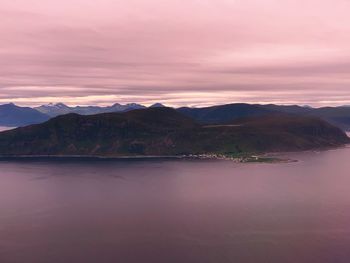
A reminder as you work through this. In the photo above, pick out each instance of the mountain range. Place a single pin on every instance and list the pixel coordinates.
(12, 115)
(15, 116)
(165, 131)
(54, 110)
(338, 116)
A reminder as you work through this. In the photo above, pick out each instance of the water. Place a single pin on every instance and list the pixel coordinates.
(176, 211)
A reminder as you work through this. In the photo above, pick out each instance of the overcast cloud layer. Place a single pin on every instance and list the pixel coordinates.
(190, 52)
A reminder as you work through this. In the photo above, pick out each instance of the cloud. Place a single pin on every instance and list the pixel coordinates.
(180, 52)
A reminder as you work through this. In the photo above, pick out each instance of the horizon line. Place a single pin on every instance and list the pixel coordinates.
(173, 106)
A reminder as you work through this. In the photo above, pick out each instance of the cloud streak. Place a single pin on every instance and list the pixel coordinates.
(177, 52)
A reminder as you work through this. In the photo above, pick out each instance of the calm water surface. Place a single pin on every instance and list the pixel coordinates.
(55, 211)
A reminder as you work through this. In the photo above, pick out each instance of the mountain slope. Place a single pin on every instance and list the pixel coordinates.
(13, 116)
(224, 113)
(339, 116)
(164, 131)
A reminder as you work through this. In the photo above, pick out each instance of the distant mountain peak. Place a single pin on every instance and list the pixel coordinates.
(60, 104)
(51, 104)
(157, 105)
(9, 105)
(133, 104)
(12, 115)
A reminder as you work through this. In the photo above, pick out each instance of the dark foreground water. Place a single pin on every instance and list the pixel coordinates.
(176, 211)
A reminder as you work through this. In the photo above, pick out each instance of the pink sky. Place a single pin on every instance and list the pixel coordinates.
(190, 52)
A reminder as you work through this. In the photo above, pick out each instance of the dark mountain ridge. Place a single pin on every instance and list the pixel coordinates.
(224, 113)
(338, 116)
(14, 116)
(164, 131)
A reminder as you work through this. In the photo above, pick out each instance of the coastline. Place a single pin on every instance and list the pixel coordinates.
(243, 158)
(268, 157)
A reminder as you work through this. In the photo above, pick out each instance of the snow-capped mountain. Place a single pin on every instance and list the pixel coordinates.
(52, 109)
(56, 109)
(157, 105)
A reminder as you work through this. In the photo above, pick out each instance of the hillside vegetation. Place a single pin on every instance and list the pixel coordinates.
(164, 131)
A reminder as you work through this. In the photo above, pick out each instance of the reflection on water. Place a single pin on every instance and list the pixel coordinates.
(176, 211)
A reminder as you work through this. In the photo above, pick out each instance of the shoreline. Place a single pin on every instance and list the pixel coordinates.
(245, 158)
(267, 157)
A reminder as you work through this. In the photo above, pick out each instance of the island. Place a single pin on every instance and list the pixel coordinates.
(163, 131)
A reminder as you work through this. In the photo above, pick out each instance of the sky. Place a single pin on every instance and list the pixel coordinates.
(178, 52)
